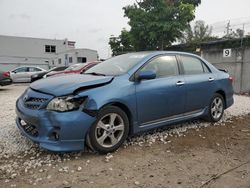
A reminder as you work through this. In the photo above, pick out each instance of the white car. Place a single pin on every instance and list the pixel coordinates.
(23, 74)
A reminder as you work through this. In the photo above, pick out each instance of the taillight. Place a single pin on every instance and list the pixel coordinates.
(231, 79)
(6, 74)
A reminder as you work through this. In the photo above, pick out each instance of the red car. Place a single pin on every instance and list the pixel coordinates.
(5, 78)
(74, 69)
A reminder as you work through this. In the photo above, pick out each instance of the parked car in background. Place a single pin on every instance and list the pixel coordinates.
(74, 69)
(23, 74)
(124, 95)
(5, 78)
(40, 75)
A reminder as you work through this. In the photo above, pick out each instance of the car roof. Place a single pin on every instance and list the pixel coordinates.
(28, 67)
(153, 53)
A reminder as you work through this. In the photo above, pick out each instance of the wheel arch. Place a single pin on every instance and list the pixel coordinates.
(126, 109)
(223, 94)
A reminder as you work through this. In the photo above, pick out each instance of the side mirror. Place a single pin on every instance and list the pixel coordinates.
(146, 75)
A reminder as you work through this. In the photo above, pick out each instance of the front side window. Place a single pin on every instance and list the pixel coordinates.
(192, 65)
(22, 69)
(164, 66)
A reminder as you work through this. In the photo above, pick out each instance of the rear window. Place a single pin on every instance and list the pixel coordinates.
(192, 65)
(76, 67)
(58, 69)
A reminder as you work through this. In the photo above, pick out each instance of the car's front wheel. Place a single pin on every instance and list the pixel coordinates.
(216, 108)
(109, 130)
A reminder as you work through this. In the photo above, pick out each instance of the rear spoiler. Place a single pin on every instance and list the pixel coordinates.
(223, 70)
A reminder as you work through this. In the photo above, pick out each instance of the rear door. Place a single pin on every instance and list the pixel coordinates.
(199, 82)
(162, 97)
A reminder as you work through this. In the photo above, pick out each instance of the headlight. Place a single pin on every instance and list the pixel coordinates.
(64, 104)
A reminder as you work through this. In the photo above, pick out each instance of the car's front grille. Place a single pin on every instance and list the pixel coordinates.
(34, 103)
(39, 100)
(35, 100)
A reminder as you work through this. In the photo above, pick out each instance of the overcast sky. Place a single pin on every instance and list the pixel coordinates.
(91, 22)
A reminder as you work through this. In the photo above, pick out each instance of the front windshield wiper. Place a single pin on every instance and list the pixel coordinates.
(95, 73)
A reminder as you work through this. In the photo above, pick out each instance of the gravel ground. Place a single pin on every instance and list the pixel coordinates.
(12, 142)
(187, 155)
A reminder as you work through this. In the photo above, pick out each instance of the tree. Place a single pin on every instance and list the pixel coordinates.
(155, 24)
(122, 43)
(238, 33)
(198, 34)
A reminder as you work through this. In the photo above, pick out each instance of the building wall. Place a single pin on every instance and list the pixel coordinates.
(238, 65)
(25, 51)
(90, 55)
(10, 63)
(29, 47)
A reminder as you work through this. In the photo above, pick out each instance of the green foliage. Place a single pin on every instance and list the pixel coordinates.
(155, 24)
(121, 44)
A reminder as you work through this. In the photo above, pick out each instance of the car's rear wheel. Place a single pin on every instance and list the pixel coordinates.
(216, 108)
(109, 130)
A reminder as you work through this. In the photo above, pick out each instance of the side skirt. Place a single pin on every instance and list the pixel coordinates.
(171, 120)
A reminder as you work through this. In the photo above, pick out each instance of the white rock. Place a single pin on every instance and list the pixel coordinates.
(137, 183)
(79, 168)
(7, 181)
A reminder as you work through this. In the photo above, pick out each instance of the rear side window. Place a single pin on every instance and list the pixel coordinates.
(164, 66)
(192, 65)
(34, 69)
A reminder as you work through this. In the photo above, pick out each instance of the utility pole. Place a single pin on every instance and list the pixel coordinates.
(242, 57)
(228, 29)
(242, 35)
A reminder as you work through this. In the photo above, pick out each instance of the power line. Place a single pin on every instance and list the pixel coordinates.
(228, 27)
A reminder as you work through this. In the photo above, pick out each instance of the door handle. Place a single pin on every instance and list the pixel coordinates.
(180, 83)
(211, 79)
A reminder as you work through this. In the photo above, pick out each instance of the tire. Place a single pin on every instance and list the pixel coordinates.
(109, 131)
(216, 108)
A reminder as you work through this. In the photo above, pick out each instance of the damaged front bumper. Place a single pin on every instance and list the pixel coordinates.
(55, 131)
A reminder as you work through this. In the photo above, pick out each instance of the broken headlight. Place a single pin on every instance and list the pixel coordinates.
(67, 103)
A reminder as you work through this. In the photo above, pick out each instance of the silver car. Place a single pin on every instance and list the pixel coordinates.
(23, 74)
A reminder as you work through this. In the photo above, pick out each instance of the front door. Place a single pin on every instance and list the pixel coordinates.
(162, 97)
(20, 74)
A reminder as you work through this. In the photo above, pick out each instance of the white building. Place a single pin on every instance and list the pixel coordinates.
(44, 53)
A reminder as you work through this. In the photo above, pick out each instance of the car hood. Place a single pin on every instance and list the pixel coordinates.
(69, 84)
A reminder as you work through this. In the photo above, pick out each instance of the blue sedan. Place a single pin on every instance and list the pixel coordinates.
(122, 96)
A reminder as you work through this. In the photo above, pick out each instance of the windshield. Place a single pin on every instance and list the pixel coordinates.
(117, 65)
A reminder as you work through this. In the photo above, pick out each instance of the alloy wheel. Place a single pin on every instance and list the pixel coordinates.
(109, 130)
(217, 108)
